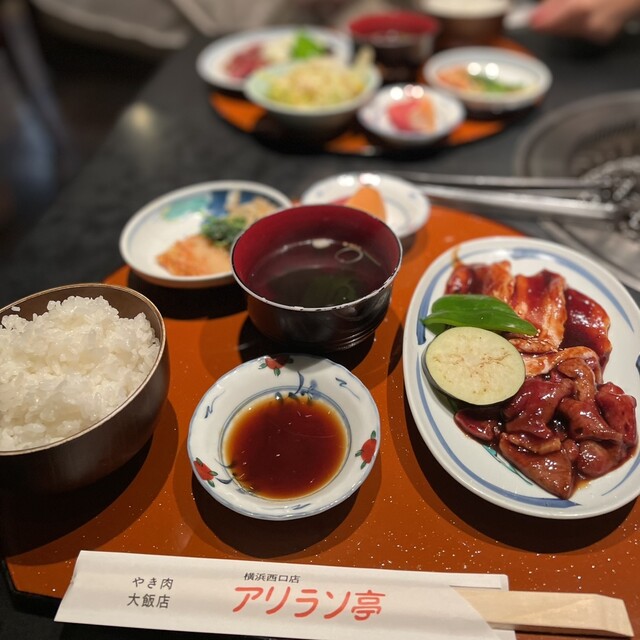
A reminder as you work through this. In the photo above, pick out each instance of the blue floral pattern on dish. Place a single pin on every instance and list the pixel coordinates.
(213, 203)
(433, 417)
(285, 375)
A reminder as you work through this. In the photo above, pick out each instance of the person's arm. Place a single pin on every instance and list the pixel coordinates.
(597, 20)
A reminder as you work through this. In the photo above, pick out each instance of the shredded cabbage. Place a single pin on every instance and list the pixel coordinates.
(318, 82)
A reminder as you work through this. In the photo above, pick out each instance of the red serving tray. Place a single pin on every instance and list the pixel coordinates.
(409, 514)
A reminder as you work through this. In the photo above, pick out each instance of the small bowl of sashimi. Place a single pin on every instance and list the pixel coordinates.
(84, 372)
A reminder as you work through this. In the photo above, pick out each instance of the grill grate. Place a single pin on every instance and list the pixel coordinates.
(596, 138)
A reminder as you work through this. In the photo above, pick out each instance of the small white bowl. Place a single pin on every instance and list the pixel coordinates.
(307, 378)
(449, 114)
(314, 121)
(407, 209)
(467, 22)
(180, 214)
(529, 74)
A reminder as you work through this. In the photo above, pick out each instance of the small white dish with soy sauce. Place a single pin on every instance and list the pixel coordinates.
(284, 437)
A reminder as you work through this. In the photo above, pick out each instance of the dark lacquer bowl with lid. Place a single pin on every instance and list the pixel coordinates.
(317, 277)
(402, 40)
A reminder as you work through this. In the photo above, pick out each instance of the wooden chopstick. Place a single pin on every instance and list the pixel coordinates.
(545, 612)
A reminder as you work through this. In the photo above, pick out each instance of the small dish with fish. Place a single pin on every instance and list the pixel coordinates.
(411, 115)
(227, 62)
(183, 238)
(565, 445)
(394, 200)
(489, 80)
(243, 457)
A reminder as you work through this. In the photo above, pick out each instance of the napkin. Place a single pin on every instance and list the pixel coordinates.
(286, 600)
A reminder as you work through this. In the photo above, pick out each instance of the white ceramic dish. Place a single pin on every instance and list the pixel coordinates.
(374, 116)
(406, 208)
(508, 67)
(213, 59)
(311, 120)
(305, 377)
(179, 214)
(479, 469)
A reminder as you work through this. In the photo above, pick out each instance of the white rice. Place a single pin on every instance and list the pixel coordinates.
(68, 368)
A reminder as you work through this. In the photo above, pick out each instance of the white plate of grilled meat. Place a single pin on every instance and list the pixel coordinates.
(565, 446)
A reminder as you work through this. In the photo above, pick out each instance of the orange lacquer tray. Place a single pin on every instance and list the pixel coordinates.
(251, 118)
(409, 514)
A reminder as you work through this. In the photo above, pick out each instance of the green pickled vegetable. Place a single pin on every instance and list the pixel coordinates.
(475, 310)
(327, 290)
(223, 231)
(492, 85)
(306, 47)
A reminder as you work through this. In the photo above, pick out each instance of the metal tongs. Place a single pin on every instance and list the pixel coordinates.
(560, 199)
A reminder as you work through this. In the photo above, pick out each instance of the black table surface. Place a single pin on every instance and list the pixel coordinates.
(170, 137)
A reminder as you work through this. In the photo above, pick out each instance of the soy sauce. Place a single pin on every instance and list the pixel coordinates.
(317, 273)
(285, 447)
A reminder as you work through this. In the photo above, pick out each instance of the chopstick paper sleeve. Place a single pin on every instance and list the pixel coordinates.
(282, 600)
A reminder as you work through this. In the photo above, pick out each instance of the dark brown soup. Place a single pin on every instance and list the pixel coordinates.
(285, 447)
(317, 273)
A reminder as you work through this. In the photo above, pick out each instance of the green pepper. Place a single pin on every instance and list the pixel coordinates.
(475, 310)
